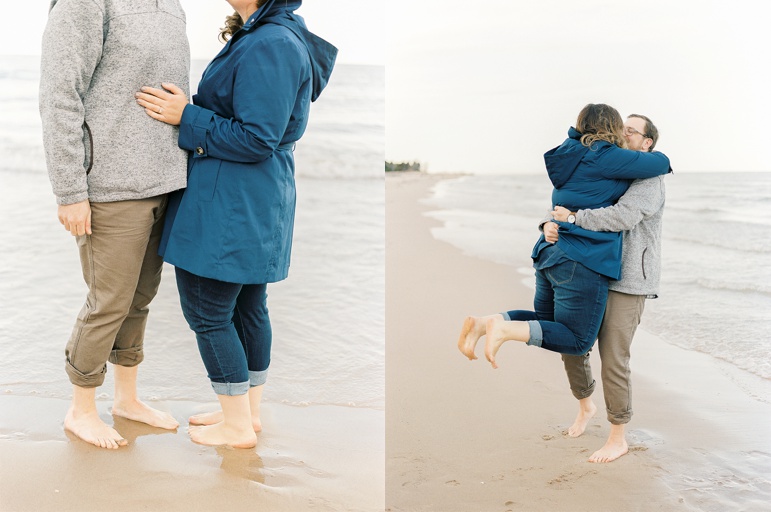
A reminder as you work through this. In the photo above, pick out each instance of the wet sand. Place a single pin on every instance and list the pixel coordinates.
(323, 458)
(463, 437)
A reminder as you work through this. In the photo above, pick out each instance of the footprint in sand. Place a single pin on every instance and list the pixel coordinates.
(452, 482)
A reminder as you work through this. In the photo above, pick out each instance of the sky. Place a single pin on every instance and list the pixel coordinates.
(355, 27)
(488, 87)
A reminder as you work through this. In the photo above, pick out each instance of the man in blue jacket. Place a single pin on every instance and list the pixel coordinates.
(638, 214)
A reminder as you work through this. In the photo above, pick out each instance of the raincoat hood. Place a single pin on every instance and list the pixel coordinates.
(322, 54)
(563, 160)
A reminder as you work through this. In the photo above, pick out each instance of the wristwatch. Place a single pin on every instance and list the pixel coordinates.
(572, 217)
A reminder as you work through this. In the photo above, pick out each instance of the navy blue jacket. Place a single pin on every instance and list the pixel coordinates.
(587, 178)
(234, 221)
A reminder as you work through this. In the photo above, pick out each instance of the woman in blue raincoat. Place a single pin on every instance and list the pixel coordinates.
(230, 232)
(590, 169)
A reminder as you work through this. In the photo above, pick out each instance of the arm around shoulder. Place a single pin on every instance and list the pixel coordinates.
(621, 163)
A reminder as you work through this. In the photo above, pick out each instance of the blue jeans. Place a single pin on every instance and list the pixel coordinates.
(569, 305)
(232, 327)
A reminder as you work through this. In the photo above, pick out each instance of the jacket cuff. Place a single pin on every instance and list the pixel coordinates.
(71, 198)
(193, 128)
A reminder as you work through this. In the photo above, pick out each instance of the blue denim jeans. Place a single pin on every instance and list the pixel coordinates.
(569, 305)
(232, 327)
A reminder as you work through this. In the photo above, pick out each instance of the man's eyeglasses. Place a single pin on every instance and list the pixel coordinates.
(629, 131)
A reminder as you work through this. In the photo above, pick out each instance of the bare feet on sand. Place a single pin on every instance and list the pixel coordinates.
(221, 433)
(614, 448)
(210, 418)
(89, 427)
(473, 329)
(137, 410)
(586, 410)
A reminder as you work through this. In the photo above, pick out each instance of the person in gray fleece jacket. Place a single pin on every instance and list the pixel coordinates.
(111, 167)
(638, 214)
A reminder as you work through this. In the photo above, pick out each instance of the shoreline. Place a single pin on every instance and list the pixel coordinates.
(45, 468)
(461, 436)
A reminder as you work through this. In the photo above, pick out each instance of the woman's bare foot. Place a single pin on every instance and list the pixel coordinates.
(89, 427)
(210, 418)
(137, 410)
(586, 410)
(493, 340)
(499, 331)
(473, 329)
(614, 448)
(221, 433)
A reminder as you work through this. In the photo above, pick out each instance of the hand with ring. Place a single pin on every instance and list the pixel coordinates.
(165, 105)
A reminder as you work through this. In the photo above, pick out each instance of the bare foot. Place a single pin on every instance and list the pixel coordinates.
(210, 418)
(473, 329)
(614, 448)
(586, 410)
(494, 338)
(139, 411)
(90, 428)
(222, 434)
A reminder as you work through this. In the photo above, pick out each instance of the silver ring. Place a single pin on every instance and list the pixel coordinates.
(160, 110)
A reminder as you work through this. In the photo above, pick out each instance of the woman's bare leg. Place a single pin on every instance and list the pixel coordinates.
(210, 418)
(234, 430)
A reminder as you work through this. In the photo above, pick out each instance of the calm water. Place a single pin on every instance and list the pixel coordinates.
(715, 293)
(327, 316)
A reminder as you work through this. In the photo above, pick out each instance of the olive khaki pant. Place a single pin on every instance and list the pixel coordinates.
(122, 270)
(622, 316)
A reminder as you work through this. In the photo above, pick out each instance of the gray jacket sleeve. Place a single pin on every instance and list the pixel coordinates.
(71, 50)
(643, 198)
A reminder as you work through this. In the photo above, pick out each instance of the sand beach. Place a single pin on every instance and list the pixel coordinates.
(322, 458)
(463, 437)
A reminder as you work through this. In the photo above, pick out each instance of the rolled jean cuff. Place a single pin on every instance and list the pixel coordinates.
(257, 378)
(536, 333)
(230, 388)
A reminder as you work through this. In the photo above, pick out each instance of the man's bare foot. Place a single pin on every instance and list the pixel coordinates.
(90, 428)
(614, 448)
(473, 329)
(221, 433)
(210, 418)
(586, 410)
(137, 410)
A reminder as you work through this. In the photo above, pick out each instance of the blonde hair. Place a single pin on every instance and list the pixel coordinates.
(598, 121)
(233, 23)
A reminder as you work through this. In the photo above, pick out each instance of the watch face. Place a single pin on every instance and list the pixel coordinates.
(572, 218)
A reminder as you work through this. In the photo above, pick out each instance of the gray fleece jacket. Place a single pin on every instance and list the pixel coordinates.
(639, 215)
(99, 144)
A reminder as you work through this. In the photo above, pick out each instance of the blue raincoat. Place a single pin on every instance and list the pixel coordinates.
(234, 221)
(587, 178)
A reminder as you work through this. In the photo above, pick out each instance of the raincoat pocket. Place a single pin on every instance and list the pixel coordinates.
(204, 175)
